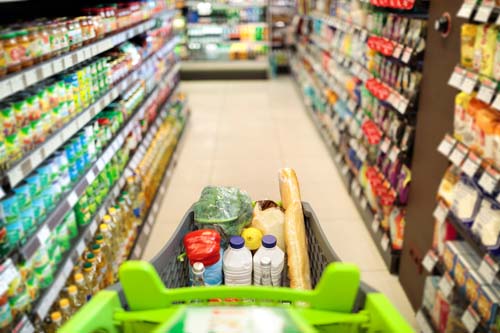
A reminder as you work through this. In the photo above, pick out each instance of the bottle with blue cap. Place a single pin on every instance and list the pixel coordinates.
(277, 256)
(237, 263)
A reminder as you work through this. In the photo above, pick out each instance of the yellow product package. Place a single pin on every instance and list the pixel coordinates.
(467, 38)
(488, 46)
(476, 60)
(460, 116)
(496, 60)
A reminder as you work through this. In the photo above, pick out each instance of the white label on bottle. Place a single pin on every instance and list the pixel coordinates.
(440, 212)
(489, 181)
(375, 224)
(458, 154)
(485, 93)
(470, 319)
(386, 143)
(469, 82)
(471, 165)
(430, 261)
(384, 242)
(423, 324)
(446, 285)
(488, 269)
(72, 199)
(483, 14)
(457, 77)
(446, 145)
(466, 10)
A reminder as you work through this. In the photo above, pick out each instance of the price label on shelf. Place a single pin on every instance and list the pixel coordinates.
(466, 10)
(356, 190)
(394, 153)
(398, 50)
(469, 82)
(362, 153)
(403, 105)
(44, 234)
(440, 212)
(351, 104)
(446, 145)
(364, 203)
(489, 180)
(8, 272)
(100, 164)
(471, 164)
(16, 83)
(345, 169)
(483, 14)
(486, 91)
(80, 247)
(457, 77)
(57, 65)
(384, 242)
(5, 90)
(430, 261)
(386, 143)
(90, 177)
(375, 224)
(446, 284)
(496, 101)
(470, 319)
(30, 77)
(458, 154)
(72, 199)
(407, 55)
(146, 230)
(488, 269)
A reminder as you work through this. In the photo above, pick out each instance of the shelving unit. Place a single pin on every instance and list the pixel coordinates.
(226, 40)
(281, 14)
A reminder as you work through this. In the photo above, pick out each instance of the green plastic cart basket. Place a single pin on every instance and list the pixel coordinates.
(152, 297)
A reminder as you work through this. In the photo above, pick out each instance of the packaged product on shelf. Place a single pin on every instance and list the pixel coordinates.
(487, 304)
(466, 201)
(487, 225)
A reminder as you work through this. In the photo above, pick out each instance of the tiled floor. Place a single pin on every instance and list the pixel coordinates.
(240, 134)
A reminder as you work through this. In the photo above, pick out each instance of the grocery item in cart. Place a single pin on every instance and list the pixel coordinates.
(269, 218)
(225, 209)
(295, 235)
(203, 246)
(276, 256)
(237, 263)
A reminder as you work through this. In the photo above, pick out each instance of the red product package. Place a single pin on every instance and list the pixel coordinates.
(203, 246)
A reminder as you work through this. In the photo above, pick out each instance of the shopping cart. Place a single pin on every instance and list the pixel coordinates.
(151, 297)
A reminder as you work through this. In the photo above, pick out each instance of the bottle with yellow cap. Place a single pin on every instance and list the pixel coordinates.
(112, 229)
(89, 272)
(75, 298)
(83, 290)
(120, 226)
(65, 309)
(55, 322)
(107, 261)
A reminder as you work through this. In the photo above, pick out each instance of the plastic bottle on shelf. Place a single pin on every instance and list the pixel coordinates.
(89, 271)
(65, 309)
(237, 263)
(75, 298)
(111, 230)
(107, 259)
(83, 289)
(108, 239)
(265, 276)
(277, 256)
(56, 321)
(198, 271)
(120, 227)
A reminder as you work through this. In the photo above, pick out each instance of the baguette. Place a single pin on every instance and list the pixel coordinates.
(295, 233)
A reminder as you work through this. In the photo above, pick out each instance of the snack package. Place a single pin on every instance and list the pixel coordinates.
(467, 37)
(476, 60)
(269, 218)
(225, 209)
(488, 47)
(466, 201)
(295, 233)
(487, 225)
(397, 226)
(460, 132)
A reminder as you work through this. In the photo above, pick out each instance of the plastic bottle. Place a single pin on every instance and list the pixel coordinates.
(83, 289)
(103, 228)
(277, 256)
(89, 272)
(56, 322)
(237, 263)
(198, 271)
(107, 259)
(75, 298)
(265, 276)
(118, 221)
(65, 309)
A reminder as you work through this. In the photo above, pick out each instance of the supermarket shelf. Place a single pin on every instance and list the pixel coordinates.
(225, 69)
(400, 52)
(49, 296)
(205, 40)
(20, 81)
(27, 164)
(149, 220)
(381, 239)
(227, 6)
(478, 13)
(226, 24)
(64, 206)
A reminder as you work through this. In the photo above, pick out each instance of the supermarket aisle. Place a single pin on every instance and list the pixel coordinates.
(240, 134)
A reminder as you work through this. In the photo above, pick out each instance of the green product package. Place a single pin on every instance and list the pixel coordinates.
(225, 209)
(70, 221)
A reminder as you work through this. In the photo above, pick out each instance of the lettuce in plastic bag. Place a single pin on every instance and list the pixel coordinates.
(225, 209)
